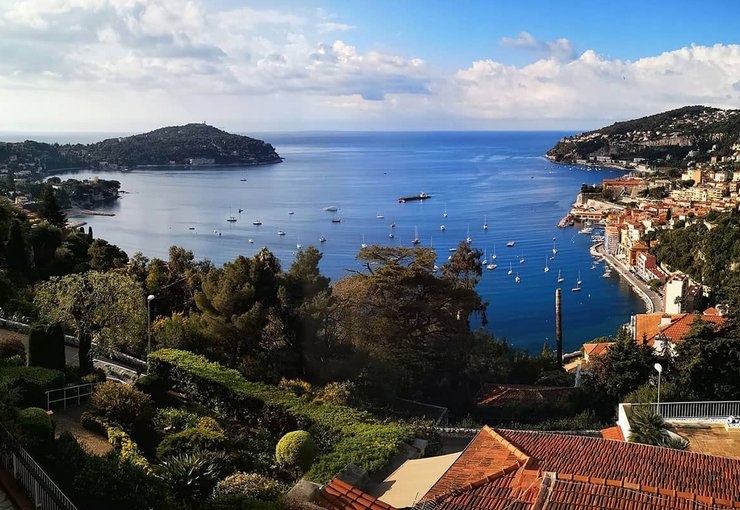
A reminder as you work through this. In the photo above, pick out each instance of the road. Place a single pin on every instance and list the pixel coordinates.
(653, 301)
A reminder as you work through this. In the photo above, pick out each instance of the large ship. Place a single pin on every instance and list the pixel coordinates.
(420, 196)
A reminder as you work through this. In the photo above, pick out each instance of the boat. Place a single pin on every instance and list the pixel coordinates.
(468, 239)
(420, 196)
(491, 267)
(281, 233)
(578, 281)
(291, 213)
(416, 239)
(231, 219)
(452, 250)
(607, 274)
(444, 214)
(547, 269)
(517, 279)
(554, 238)
(442, 228)
(554, 250)
(243, 180)
(322, 239)
(510, 270)
(510, 244)
(493, 257)
(435, 268)
(241, 211)
(379, 216)
(485, 257)
(393, 225)
(336, 219)
(391, 235)
(257, 222)
(191, 228)
(521, 259)
(560, 278)
(576, 289)
(363, 245)
(331, 208)
(485, 223)
(251, 241)
(449, 258)
(298, 246)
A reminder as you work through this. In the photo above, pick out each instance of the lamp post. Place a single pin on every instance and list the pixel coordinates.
(149, 300)
(659, 368)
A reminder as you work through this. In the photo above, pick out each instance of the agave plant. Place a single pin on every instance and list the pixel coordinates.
(192, 477)
(676, 443)
(648, 427)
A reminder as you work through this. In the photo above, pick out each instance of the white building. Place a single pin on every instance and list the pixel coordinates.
(674, 292)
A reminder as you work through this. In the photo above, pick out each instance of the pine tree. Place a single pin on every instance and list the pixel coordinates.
(50, 208)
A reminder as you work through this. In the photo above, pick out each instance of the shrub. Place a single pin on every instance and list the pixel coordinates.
(360, 438)
(127, 448)
(171, 419)
(208, 423)
(675, 443)
(192, 477)
(252, 485)
(36, 426)
(46, 346)
(32, 383)
(122, 405)
(337, 393)
(298, 387)
(647, 427)
(11, 345)
(93, 422)
(239, 502)
(97, 375)
(296, 450)
(153, 386)
(190, 440)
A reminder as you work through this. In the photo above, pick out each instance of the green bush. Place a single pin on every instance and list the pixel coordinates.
(239, 502)
(46, 346)
(93, 422)
(36, 426)
(97, 375)
(11, 345)
(296, 450)
(127, 448)
(122, 405)
(171, 419)
(32, 383)
(190, 440)
(153, 386)
(252, 485)
(359, 438)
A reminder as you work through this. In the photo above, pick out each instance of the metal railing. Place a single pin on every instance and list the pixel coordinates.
(39, 487)
(702, 411)
(74, 393)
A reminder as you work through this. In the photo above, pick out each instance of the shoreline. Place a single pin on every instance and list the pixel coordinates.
(590, 166)
(596, 250)
(58, 171)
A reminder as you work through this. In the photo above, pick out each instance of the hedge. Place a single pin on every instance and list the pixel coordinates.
(46, 346)
(360, 439)
(33, 383)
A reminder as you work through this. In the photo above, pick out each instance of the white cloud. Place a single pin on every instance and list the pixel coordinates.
(334, 27)
(560, 49)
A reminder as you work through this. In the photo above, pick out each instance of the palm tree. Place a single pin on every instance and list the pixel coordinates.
(648, 427)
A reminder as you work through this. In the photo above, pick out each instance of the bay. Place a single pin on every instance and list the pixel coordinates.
(499, 176)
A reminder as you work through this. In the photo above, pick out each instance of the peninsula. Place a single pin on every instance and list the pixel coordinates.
(676, 138)
(188, 145)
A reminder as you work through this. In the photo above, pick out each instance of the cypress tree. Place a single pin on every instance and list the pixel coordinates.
(51, 211)
(16, 250)
(89, 233)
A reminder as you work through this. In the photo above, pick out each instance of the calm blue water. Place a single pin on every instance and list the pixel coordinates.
(499, 175)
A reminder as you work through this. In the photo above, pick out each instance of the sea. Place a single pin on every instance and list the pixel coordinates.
(497, 178)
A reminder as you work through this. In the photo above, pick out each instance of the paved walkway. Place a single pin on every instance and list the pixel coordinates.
(5, 503)
(68, 420)
(653, 301)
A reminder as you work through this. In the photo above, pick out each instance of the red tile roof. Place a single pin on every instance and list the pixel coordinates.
(528, 470)
(338, 495)
(614, 433)
(596, 349)
(499, 393)
(681, 327)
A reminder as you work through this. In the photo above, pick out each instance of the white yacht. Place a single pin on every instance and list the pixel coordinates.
(511, 271)
(485, 223)
(517, 279)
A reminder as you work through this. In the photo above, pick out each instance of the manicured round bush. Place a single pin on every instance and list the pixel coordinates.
(192, 440)
(121, 405)
(252, 485)
(12, 345)
(296, 450)
(36, 425)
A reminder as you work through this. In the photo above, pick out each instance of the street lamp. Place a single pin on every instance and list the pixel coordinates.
(659, 368)
(149, 300)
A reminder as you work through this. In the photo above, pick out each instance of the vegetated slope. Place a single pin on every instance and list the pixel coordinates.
(673, 133)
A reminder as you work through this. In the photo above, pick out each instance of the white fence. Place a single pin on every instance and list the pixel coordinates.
(41, 489)
(73, 393)
(699, 411)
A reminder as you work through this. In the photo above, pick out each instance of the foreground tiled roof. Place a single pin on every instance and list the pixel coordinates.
(614, 433)
(338, 495)
(540, 470)
(500, 393)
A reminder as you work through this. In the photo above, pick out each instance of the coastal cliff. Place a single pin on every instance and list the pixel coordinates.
(691, 132)
(191, 144)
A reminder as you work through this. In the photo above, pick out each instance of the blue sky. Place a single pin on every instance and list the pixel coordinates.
(283, 65)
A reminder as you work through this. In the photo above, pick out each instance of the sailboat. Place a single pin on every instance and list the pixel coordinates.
(578, 282)
(521, 259)
(444, 214)
(379, 216)
(547, 269)
(257, 222)
(485, 257)
(485, 223)
(560, 278)
(298, 245)
(517, 279)
(231, 218)
(416, 239)
(322, 239)
(511, 272)
(442, 228)
(363, 245)
(554, 250)
(391, 235)
(493, 257)
(468, 239)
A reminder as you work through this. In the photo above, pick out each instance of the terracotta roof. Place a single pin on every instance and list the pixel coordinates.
(681, 327)
(712, 311)
(528, 470)
(338, 495)
(647, 325)
(614, 433)
(596, 349)
(499, 393)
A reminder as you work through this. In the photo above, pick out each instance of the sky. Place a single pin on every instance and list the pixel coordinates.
(135, 65)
